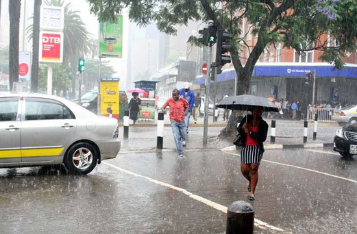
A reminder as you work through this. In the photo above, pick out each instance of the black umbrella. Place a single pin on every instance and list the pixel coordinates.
(246, 102)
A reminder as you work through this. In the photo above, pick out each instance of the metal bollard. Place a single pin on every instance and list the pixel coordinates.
(240, 218)
(315, 128)
(126, 124)
(305, 131)
(272, 134)
(160, 131)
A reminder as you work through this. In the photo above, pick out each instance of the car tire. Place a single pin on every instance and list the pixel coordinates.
(352, 120)
(345, 155)
(81, 158)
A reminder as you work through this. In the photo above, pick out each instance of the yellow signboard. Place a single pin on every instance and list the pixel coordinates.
(109, 97)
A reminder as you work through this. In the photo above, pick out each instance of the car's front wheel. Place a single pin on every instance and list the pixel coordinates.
(81, 158)
(345, 154)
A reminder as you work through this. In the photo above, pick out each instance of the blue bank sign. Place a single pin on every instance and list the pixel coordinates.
(288, 71)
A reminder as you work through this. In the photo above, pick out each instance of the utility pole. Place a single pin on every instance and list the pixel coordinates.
(313, 88)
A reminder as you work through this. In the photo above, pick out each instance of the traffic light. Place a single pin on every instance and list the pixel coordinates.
(204, 36)
(81, 66)
(212, 38)
(223, 47)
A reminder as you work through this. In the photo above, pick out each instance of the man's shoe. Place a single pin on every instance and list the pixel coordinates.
(184, 143)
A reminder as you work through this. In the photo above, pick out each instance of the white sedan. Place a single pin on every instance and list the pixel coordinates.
(38, 129)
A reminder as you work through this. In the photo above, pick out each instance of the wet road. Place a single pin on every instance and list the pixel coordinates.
(299, 191)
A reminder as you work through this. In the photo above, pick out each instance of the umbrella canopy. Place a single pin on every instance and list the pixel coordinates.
(246, 102)
(136, 90)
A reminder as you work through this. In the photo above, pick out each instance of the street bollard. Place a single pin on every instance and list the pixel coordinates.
(305, 131)
(160, 131)
(126, 124)
(240, 218)
(272, 134)
(315, 128)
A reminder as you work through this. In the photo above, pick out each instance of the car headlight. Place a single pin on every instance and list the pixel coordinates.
(86, 104)
(339, 133)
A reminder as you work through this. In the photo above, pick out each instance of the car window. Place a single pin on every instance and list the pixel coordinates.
(89, 96)
(37, 109)
(8, 109)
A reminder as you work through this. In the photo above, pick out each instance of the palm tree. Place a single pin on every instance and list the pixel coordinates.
(35, 45)
(14, 12)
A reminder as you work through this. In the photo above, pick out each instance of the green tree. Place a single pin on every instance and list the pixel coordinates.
(61, 79)
(296, 24)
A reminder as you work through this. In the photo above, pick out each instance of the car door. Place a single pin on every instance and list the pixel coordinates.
(10, 130)
(47, 127)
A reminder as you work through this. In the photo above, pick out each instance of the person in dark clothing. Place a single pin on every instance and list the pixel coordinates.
(134, 107)
(253, 130)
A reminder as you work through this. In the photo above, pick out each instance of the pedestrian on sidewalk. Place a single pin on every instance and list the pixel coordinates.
(253, 130)
(188, 94)
(134, 107)
(196, 108)
(178, 110)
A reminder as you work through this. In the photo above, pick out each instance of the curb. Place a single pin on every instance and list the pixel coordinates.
(287, 146)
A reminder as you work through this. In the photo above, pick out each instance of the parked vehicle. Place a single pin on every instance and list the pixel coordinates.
(90, 102)
(38, 129)
(347, 114)
(345, 141)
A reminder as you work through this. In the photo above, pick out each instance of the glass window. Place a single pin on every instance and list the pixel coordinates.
(8, 109)
(37, 109)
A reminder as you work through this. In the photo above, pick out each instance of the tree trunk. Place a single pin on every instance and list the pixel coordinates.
(35, 46)
(14, 14)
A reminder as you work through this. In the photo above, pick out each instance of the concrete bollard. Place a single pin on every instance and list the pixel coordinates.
(126, 124)
(160, 131)
(305, 131)
(315, 128)
(240, 218)
(272, 134)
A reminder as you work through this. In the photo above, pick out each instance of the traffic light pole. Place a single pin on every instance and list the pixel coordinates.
(207, 89)
(80, 88)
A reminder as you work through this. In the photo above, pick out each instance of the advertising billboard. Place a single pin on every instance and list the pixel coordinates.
(109, 97)
(24, 66)
(51, 47)
(111, 38)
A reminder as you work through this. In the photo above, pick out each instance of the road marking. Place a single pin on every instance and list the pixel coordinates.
(325, 152)
(219, 207)
(303, 168)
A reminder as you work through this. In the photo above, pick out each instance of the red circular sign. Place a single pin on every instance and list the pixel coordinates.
(204, 68)
(23, 69)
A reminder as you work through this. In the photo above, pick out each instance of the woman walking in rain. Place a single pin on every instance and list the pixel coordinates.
(134, 107)
(253, 130)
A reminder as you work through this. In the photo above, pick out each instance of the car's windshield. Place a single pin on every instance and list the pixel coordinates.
(89, 96)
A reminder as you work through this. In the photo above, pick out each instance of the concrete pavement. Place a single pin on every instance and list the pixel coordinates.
(289, 134)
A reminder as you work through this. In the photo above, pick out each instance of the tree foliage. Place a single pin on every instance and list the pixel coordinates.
(297, 24)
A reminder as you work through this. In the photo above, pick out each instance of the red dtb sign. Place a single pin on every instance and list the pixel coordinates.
(51, 47)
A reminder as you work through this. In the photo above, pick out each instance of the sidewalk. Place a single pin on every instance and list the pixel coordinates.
(289, 134)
